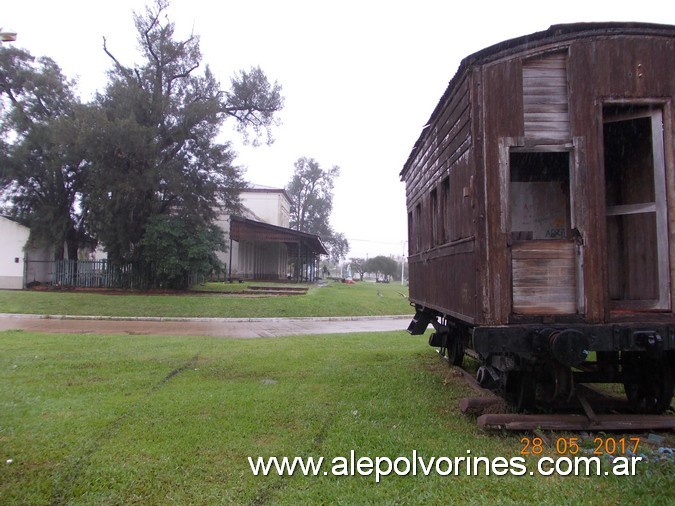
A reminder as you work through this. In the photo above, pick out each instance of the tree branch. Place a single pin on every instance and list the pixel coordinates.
(118, 65)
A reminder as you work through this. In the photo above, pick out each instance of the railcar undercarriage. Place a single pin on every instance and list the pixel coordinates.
(537, 367)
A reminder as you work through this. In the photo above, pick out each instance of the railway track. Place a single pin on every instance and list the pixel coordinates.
(579, 414)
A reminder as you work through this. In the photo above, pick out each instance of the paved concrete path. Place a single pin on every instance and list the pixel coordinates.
(216, 327)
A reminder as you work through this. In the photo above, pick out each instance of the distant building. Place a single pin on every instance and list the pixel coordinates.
(19, 266)
(261, 246)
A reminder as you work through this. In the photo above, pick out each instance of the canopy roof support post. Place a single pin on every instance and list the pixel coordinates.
(229, 276)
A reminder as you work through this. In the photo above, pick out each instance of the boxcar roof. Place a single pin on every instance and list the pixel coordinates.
(560, 34)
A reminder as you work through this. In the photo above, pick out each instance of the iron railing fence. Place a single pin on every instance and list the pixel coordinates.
(101, 274)
(87, 274)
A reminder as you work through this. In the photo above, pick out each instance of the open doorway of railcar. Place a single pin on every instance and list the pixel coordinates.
(543, 251)
(638, 264)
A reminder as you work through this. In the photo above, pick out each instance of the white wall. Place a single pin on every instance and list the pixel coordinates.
(14, 237)
(269, 206)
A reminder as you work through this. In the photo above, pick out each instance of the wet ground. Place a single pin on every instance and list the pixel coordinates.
(216, 327)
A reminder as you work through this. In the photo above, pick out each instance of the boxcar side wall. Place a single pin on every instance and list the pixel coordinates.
(439, 194)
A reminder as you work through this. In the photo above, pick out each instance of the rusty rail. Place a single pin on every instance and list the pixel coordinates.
(588, 398)
(613, 422)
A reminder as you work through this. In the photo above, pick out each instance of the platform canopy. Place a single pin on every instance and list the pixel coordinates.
(243, 229)
(304, 250)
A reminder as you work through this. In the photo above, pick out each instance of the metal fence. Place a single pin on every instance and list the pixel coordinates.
(87, 274)
(99, 274)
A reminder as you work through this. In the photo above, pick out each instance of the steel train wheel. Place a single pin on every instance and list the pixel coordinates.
(455, 352)
(555, 383)
(520, 390)
(648, 383)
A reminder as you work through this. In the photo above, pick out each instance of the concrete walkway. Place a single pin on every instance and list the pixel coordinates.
(216, 327)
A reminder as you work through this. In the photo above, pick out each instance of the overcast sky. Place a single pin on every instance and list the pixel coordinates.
(360, 78)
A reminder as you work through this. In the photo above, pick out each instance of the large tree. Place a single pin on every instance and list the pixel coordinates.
(154, 158)
(358, 266)
(381, 266)
(311, 192)
(40, 160)
(337, 245)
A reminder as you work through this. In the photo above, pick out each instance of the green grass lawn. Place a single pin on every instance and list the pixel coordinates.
(216, 300)
(87, 419)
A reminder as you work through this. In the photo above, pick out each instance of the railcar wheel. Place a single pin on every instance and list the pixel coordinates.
(519, 390)
(455, 352)
(555, 383)
(648, 383)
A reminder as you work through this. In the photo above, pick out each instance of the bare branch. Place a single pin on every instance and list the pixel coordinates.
(121, 68)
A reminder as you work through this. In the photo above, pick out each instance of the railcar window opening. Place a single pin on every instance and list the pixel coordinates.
(434, 218)
(636, 209)
(417, 219)
(444, 209)
(539, 195)
(411, 234)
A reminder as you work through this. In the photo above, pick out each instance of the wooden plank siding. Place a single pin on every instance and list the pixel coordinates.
(444, 154)
(544, 277)
(447, 140)
(545, 100)
(441, 258)
(502, 119)
(543, 273)
(445, 280)
(544, 92)
(630, 69)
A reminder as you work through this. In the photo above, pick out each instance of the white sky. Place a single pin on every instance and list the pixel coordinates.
(360, 77)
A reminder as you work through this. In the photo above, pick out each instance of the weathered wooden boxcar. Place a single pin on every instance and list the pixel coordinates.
(541, 213)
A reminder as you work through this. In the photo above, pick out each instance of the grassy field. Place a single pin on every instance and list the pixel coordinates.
(216, 300)
(87, 419)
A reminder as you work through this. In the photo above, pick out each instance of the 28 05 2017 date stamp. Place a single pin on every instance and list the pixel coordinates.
(573, 445)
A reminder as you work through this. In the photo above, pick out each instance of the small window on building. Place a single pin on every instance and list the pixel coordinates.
(539, 196)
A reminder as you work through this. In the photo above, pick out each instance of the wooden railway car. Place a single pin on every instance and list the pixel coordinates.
(541, 214)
